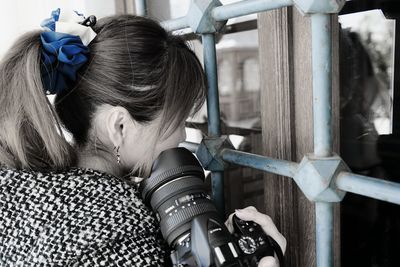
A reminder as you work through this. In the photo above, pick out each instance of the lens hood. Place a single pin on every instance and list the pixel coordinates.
(170, 164)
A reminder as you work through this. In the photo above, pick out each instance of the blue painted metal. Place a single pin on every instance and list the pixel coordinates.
(204, 15)
(200, 19)
(319, 6)
(322, 114)
(217, 183)
(368, 186)
(276, 166)
(141, 7)
(214, 123)
(210, 65)
(315, 176)
(209, 152)
(322, 84)
(175, 24)
(243, 8)
(192, 147)
(324, 234)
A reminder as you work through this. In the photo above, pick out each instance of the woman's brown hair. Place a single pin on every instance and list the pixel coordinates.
(134, 63)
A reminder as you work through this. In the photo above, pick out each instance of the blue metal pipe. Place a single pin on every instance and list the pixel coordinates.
(324, 233)
(243, 8)
(322, 84)
(214, 124)
(225, 12)
(175, 24)
(192, 147)
(322, 115)
(217, 184)
(368, 186)
(141, 7)
(277, 166)
(210, 66)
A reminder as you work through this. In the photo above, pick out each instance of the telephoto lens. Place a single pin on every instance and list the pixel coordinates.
(189, 220)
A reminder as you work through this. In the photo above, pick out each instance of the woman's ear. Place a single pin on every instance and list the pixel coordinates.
(118, 121)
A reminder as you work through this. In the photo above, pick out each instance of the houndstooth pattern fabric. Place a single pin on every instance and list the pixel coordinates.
(79, 217)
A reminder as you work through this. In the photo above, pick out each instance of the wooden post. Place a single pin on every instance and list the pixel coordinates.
(286, 115)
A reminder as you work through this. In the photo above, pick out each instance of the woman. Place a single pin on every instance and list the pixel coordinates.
(123, 102)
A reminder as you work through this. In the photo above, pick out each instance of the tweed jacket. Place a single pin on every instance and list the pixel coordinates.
(78, 217)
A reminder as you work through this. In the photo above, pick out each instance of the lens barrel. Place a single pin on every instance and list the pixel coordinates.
(176, 192)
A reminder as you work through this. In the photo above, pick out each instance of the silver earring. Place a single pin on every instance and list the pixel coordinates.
(116, 148)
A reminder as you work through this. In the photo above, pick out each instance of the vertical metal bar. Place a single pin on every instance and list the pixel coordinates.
(322, 114)
(217, 183)
(322, 84)
(324, 233)
(214, 125)
(141, 7)
(210, 65)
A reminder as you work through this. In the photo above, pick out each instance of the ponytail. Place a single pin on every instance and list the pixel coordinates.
(30, 134)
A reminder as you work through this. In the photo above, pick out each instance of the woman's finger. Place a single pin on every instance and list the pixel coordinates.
(228, 223)
(250, 208)
(266, 223)
(268, 262)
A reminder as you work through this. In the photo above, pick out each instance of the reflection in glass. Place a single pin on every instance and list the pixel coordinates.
(370, 228)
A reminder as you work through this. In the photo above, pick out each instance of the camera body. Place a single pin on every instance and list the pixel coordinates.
(210, 244)
(189, 220)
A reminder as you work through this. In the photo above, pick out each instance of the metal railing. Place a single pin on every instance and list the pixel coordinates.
(323, 176)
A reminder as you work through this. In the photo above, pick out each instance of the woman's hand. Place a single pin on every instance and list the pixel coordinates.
(251, 214)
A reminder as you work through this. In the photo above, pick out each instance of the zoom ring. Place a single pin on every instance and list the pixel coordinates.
(164, 192)
(151, 183)
(185, 215)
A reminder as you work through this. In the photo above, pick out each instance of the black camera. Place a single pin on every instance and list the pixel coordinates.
(189, 220)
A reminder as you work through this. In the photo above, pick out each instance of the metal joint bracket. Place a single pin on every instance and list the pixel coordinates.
(200, 19)
(209, 152)
(319, 6)
(315, 176)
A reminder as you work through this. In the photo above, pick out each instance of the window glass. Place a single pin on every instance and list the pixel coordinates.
(369, 228)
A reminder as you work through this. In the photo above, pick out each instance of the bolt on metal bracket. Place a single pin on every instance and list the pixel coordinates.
(209, 152)
(316, 175)
(319, 6)
(200, 19)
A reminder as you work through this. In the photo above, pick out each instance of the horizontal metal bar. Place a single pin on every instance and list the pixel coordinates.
(225, 129)
(346, 181)
(368, 186)
(175, 24)
(276, 166)
(190, 146)
(225, 12)
(243, 8)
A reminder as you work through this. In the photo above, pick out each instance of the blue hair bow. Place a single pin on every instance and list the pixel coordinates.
(62, 56)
